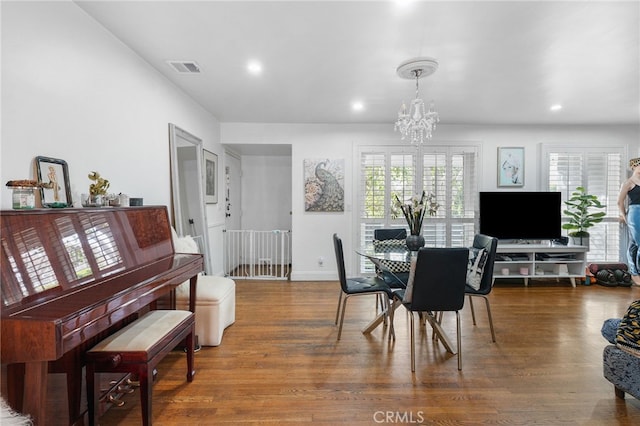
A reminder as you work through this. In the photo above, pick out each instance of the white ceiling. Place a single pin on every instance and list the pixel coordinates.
(500, 62)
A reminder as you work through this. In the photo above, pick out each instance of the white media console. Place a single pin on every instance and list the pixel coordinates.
(540, 261)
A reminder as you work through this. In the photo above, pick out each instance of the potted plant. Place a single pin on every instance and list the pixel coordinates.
(581, 214)
(98, 189)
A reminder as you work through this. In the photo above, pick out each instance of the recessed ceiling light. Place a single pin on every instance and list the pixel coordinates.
(357, 106)
(556, 107)
(254, 67)
(403, 3)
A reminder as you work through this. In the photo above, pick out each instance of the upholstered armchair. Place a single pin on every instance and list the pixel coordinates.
(620, 367)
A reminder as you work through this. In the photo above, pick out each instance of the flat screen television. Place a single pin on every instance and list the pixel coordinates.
(521, 215)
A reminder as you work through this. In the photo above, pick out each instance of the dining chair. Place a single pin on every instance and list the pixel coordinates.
(490, 244)
(437, 285)
(358, 286)
(394, 273)
(390, 234)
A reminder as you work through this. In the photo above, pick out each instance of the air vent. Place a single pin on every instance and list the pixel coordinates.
(185, 67)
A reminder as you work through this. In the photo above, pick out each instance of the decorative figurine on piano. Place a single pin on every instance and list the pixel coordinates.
(97, 190)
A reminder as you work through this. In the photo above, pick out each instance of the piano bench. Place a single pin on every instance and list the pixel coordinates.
(215, 307)
(137, 349)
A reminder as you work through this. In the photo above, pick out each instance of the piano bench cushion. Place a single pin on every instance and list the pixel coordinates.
(143, 334)
(137, 349)
(215, 307)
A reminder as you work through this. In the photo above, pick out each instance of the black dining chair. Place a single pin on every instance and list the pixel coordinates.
(438, 285)
(358, 286)
(390, 234)
(490, 244)
(394, 273)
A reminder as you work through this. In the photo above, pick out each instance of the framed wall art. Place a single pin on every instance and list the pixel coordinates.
(324, 185)
(510, 166)
(53, 174)
(210, 177)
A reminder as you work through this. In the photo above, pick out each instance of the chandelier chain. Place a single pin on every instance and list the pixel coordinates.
(417, 73)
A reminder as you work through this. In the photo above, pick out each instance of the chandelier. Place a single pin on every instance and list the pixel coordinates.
(417, 123)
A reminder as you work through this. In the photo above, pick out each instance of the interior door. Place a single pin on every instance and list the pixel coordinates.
(232, 194)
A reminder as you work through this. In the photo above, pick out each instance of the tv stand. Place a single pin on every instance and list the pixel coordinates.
(540, 261)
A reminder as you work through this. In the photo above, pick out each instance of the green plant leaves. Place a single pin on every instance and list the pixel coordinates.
(580, 212)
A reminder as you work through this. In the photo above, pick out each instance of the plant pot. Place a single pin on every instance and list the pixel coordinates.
(414, 242)
(94, 201)
(579, 240)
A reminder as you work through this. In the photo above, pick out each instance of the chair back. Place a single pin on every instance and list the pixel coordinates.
(342, 276)
(439, 280)
(390, 234)
(491, 245)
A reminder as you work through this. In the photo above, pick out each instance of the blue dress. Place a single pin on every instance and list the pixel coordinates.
(633, 223)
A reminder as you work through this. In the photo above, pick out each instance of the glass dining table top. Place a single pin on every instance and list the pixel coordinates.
(396, 254)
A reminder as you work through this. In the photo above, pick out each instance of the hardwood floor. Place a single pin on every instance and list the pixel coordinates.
(280, 363)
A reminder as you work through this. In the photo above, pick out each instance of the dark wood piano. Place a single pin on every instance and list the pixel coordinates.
(69, 278)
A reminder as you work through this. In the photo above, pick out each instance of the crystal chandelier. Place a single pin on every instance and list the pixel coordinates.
(417, 123)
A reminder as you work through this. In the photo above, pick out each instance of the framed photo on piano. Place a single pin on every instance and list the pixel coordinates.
(53, 174)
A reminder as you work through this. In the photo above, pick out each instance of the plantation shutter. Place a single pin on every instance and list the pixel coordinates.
(384, 173)
(599, 170)
(448, 172)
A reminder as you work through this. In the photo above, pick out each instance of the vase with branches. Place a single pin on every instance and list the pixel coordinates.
(414, 211)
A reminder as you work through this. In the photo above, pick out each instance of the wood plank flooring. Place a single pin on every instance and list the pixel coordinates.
(280, 363)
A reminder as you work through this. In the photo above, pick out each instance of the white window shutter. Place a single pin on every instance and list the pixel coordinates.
(448, 172)
(600, 171)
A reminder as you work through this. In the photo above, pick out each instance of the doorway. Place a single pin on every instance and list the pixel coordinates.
(187, 189)
(257, 237)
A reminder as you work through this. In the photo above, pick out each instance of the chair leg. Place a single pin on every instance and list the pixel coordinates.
(344, 307)
(392, 331)
(380, 302)
(459, 340)
(384, 306)
(438, 317)
(493, 333)
(338, 309)
(341, 310)
(394, 303)
(413, 349)
(473, 313)
(486, 302)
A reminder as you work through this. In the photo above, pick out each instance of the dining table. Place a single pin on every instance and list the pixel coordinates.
(389, 258)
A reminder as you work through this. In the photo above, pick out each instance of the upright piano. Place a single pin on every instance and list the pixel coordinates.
(69, 278)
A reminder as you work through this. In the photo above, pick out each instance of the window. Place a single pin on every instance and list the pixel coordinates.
(601, 171)
(448, 172)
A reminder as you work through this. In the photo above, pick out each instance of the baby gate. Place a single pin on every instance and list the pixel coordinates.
(257, 254)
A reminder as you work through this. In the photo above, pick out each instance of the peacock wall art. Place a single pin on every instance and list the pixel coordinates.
(324, 185)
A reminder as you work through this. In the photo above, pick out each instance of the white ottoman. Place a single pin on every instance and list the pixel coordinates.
(215, 306)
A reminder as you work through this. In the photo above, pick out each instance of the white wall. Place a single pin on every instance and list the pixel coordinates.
(311, 232)
(266, 192)
(71, 90)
